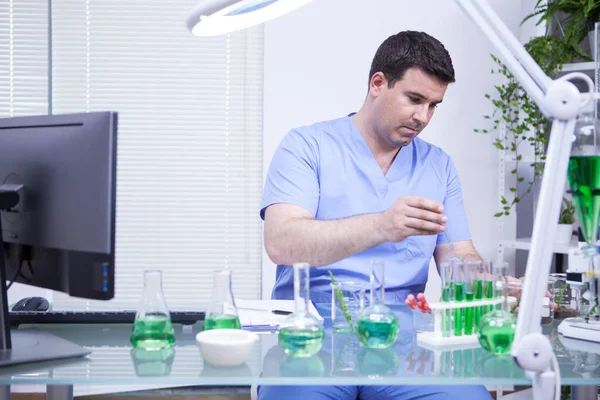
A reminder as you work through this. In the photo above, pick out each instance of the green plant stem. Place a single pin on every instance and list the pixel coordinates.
(561, 294)
(340, 297)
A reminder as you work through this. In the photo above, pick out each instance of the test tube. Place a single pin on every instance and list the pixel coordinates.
(446, 278)
(458, 275)
(478, 289)
(488, 285)
(470, 270)
(500, 273)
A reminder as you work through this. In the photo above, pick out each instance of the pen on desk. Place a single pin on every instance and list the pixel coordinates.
(277, 312)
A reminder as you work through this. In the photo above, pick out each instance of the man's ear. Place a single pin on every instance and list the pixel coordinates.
(377, 84)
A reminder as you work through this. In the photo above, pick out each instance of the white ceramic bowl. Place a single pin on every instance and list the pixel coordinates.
(226, 347)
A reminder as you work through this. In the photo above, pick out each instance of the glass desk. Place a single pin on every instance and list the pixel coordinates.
(340, 362)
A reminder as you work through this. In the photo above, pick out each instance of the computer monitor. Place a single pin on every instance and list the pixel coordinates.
(57, 205)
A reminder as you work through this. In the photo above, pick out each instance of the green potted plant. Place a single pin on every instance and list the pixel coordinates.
(575, 20)
(522, 122)
(564, 231)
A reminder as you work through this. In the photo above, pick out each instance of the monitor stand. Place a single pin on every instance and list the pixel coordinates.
(19, 346)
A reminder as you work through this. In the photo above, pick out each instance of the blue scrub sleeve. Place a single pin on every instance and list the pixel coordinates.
(457, 227)
(293, 174)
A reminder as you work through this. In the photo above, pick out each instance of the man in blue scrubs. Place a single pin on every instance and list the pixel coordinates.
(343, 192)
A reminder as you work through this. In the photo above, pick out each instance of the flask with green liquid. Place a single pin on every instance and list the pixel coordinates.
(301, 334)
(497, 328)
(377, 326)
(222, 313)
(152, 328)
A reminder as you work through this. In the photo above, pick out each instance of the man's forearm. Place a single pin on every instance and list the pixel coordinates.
(323, 242)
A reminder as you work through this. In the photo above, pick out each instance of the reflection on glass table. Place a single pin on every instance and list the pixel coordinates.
(341, 361)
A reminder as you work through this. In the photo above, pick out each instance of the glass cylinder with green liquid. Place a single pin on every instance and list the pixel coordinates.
(497, 328)
(152, 328)
(471, 270)
(222, 312)
(458, 295)
(377, 326)
(483, 272)
(583, 176)
(301, 334)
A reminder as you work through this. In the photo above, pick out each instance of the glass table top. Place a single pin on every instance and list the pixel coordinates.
(341, 361)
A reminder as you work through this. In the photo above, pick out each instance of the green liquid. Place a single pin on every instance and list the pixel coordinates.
(584, 180)
(377, 334)
(488, 290)
(497, 338)
(478, 289)
(222, 321)
(152, 332)
(469, 315)
(478, 295)
(301, 342)
(459, 313)
(447, 314)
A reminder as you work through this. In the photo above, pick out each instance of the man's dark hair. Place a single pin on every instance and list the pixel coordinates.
(410, 49)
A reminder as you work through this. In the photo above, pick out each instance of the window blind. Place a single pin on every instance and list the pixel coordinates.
(23, 57)
(189, 159)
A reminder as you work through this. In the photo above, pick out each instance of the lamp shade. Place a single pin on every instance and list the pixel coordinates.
(216, 17)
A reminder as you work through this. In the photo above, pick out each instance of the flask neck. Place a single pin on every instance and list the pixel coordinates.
(377, 282)
(222, 301)
(301, 287)
(153, 281)
(153, 300)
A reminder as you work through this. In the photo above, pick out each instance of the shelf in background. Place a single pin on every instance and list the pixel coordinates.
(582, 66)
(525, 244)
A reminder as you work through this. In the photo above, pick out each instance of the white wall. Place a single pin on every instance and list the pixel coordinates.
(316, 67)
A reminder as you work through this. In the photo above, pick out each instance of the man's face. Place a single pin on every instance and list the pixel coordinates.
(404, 110)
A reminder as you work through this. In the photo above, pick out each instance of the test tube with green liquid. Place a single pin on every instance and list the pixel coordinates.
(446, 278)
(458, 278)
(470, 270)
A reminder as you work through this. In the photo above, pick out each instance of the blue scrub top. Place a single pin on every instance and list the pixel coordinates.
(328, 169)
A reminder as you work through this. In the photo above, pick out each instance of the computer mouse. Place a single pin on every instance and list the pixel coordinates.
(31, 304)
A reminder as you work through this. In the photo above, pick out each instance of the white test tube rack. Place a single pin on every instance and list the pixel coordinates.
(436, 339)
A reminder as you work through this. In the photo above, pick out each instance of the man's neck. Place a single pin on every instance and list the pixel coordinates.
(383, 153)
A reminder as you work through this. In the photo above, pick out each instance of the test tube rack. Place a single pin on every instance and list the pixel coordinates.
(436, 339)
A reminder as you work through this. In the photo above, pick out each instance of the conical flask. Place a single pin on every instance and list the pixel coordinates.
(301, 334)
(377, 326)
(222, 313)
(152, 329)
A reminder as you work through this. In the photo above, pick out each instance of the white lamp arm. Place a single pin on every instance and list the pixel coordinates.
(512, 53)
(561, 101)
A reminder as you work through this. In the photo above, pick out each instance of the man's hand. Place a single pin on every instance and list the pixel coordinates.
(420, 302)
(411, 216)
